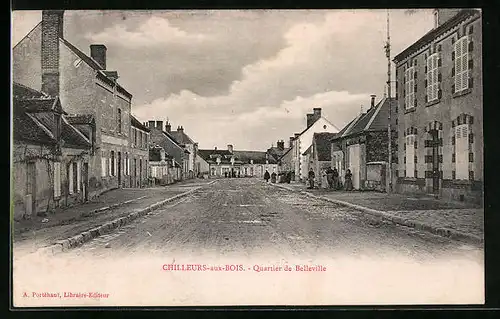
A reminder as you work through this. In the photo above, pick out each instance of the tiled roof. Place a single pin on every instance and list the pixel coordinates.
(40, 104)
(136, 123)
(181, 137)
(429, 36)
(25, 128)
(258, 157)
(93, 64)
(21, 91)
(323, 145)
(80, 119)
(375, 119)
(72, 136)
(276, 152)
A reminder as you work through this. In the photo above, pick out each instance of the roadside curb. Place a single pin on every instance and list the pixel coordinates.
(109, 226)
(397, 220)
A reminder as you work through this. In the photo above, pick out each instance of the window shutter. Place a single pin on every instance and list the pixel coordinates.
(440, 77)
(78, 176)
(471, 157)
(471, 138)
(471, 46)
(425, 83)
(426, 98)
(103, 166)
(70, 178)
(415, 88)
(425, 69)
(453, 55)
(471, 83)
(440, 62)
(471, 64)
(453, 71)
(440, 94)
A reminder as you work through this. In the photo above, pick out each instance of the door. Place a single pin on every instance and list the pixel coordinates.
(31, 188)
(135, 172)
(86, 181)
(119, 169)
(140, 172)
(354, 164)
(435, 161)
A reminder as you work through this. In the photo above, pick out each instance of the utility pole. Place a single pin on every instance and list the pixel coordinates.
(388, 54)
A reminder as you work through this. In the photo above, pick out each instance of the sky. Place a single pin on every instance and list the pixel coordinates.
(243, 77)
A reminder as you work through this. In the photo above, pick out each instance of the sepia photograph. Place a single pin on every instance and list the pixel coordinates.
(174, 158)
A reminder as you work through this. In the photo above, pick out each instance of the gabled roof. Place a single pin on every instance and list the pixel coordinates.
(80, 119)
(323, 145)
(284, 154)
(308, 151)
(22, 91)
(137, 124)
(277, 152)
(181, 137)
(434, 33)
(26, 128)
(72, 136)
(39, 104)
(258, 157)
(96, 66)
(375, 119)
(307, 128)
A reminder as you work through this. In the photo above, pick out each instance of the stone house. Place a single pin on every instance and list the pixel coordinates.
(50, 157)
(440, 106)
(219, 161)
(192, 147)
(45, 61)
(163, 138)
(137, 160)
(321, 156)
(316, 123)
(365, 140)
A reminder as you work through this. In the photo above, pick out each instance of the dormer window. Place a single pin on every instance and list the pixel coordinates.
(436, 18)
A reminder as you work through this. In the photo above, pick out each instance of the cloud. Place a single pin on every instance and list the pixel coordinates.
(154, 31)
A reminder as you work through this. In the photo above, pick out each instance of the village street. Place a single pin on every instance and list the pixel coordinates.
(255, 228)
(244, 216)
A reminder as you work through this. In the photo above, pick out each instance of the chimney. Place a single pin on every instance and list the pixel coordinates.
(230, 148)
(372, 103)
(310, 119)
(297, 135)
(151, 124)
(98, 53)
(215, 148)
(159, 125)
(317, 113)
(52, 30)
(281, 145)
(168, 127)
(180, 129)
(291, 141)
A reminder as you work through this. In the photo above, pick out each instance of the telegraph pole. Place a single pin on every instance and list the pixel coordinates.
(388, 54)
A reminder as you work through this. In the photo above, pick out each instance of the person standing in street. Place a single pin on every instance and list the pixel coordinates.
(348, 180)
(311, 177)
(335, 178)
(273, 177)
(329, 177)
(267, 176)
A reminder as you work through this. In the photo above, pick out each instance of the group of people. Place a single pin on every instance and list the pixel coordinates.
(332, 178)
(231, 174)
(268, 176)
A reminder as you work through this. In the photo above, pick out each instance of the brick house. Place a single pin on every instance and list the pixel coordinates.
(440, 120)
(44, 60)
(161, 137)
(364, 140)
(51, 157)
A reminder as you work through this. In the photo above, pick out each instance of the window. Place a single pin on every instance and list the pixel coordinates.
(462, 151)
(410, 154)
(410, 88)
(119, 120)
(112, 169)
(461, 65)
(432, 77)
(57, 179)
(78, 176)
(135, 137)
(70, 179)
(104, 165)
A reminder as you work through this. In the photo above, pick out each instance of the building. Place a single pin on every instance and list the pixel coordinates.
(136, 161)
(440, 123)
(51, 157)
(277, 151)
(285, 161)
(161, 137)
(202, 166)
(192, 147)
(321, 156)
(316, 123)
(45, 61)
(365, 140)
(237, 163)
(163, 168)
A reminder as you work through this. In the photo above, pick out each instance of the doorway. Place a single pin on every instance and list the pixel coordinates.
(354, 164)
(435, 161)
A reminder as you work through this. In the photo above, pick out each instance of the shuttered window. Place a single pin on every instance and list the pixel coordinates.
(70, 178)
(410, 87)
(410, 155)
(432, 77)
(78, 176)
(461, 64)
(462, 151)
(103, 166)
